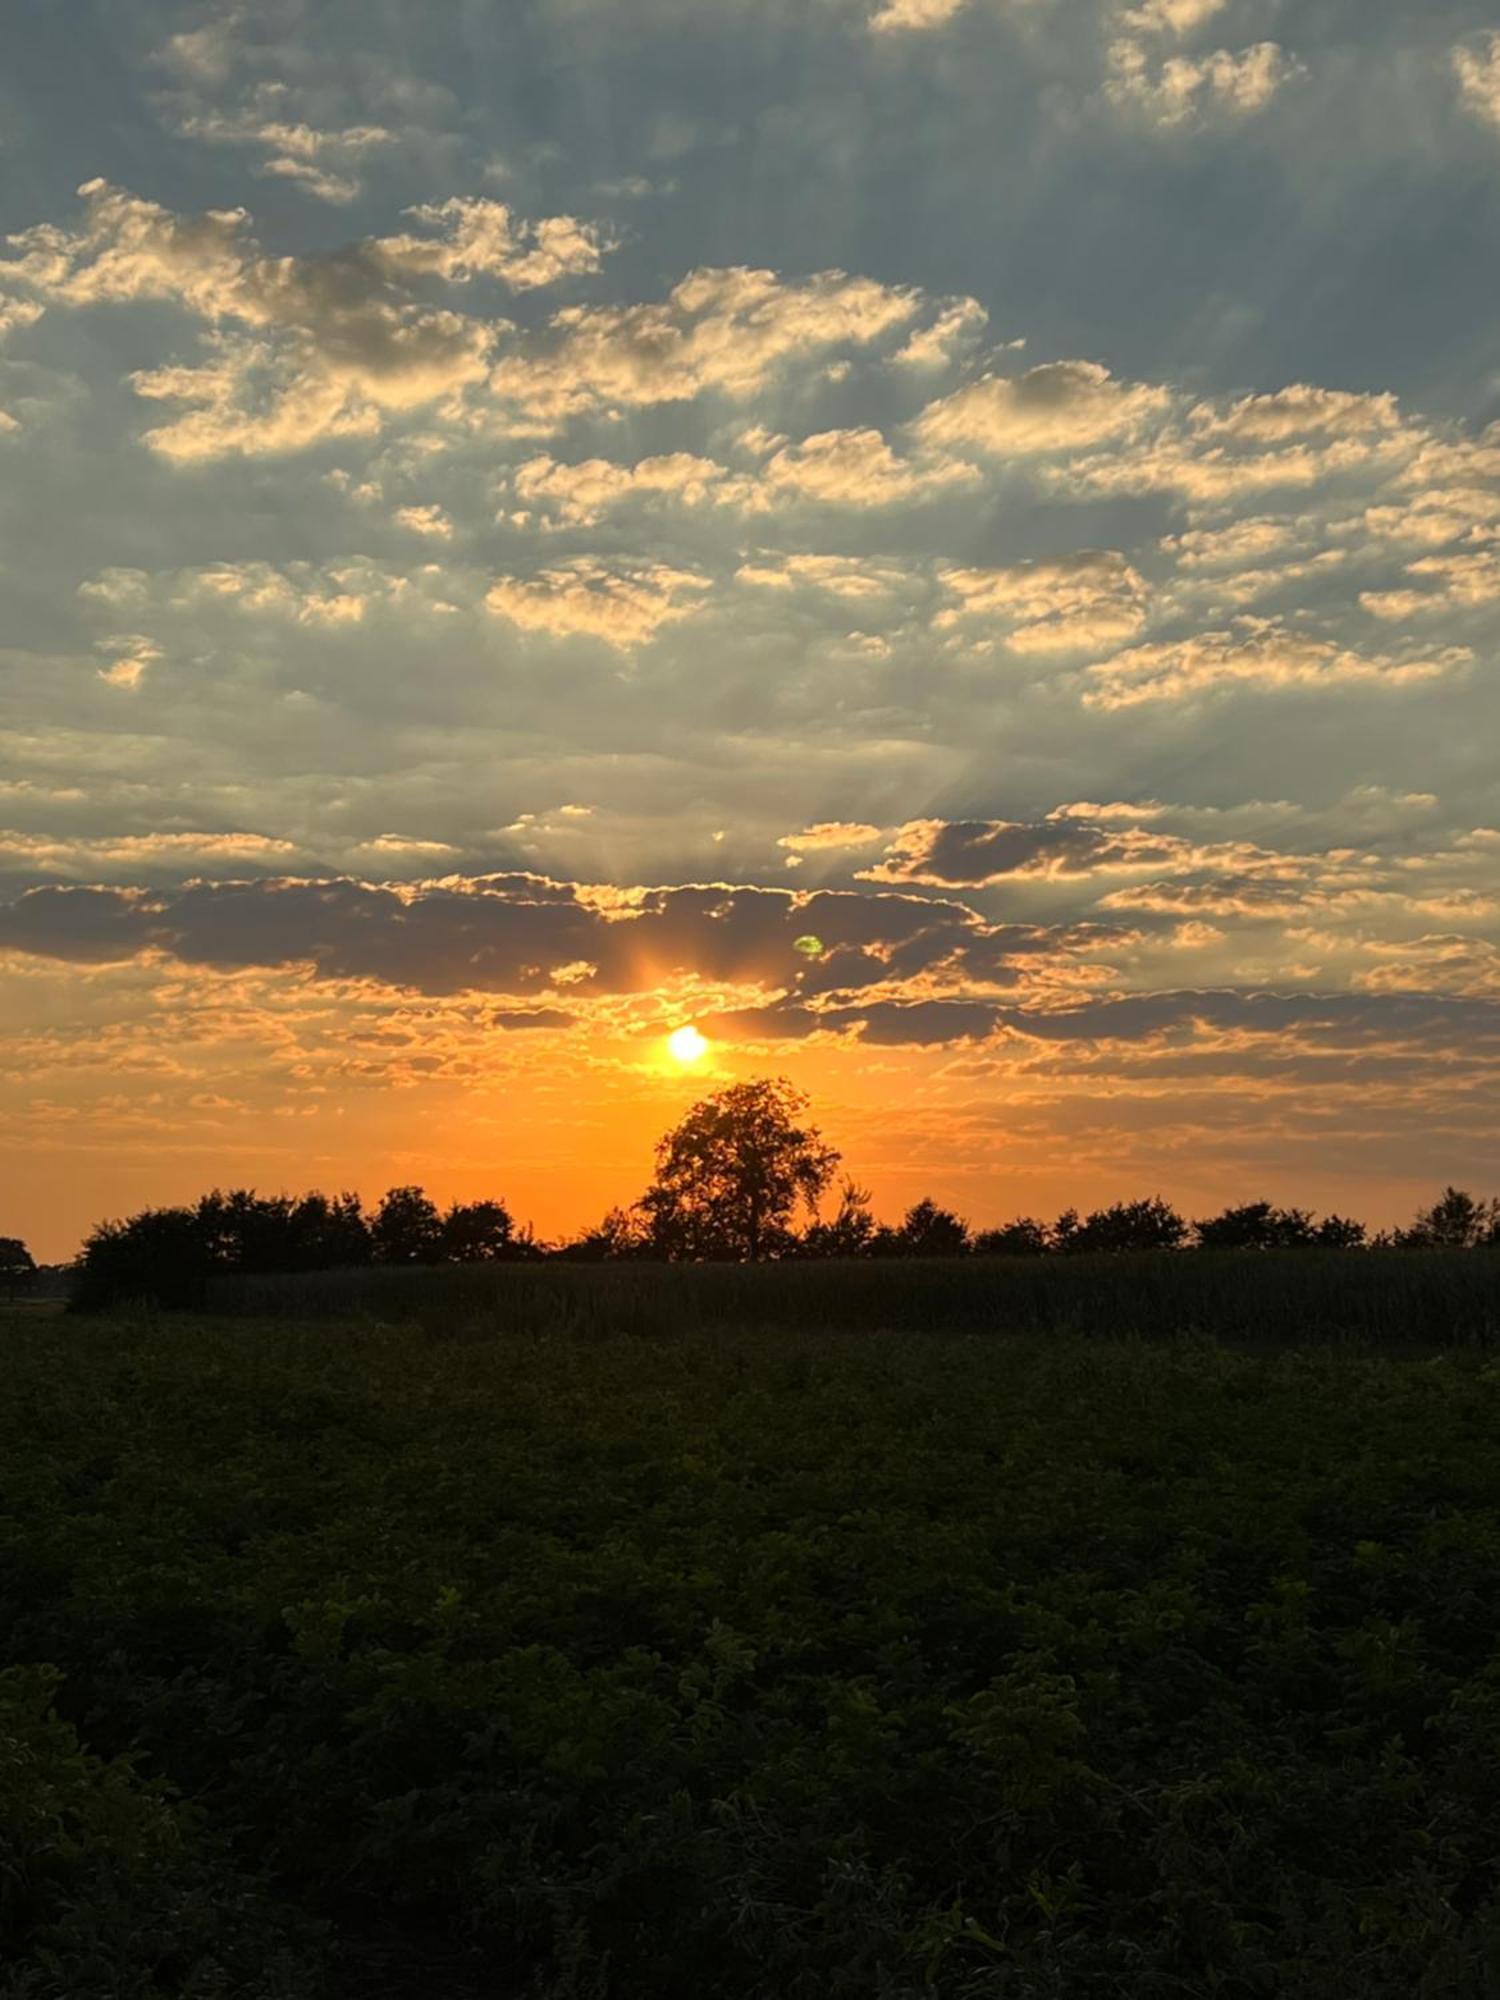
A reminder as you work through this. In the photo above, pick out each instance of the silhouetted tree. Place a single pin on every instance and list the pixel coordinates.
(730, 1177)
(17, 1265)
(1125, 1225)
(406, 1228)
(1025, 1237)
(1256, 1225)
(617, 1235)
(1339, 1232)
(159, 1257)
(478, 1232)
(848, 1233)
(926, 1231)
(1456, 1221)
(329, 1233)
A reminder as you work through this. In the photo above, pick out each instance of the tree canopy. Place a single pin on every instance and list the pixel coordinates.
(731, 1177)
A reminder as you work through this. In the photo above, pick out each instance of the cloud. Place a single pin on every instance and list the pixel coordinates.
(853, 578)
(475, 237)
(82, 855)
(1247, 541)
(131, 657)
(1257, 655)
(324, 163)
(425, 520)
(1477, 67)
(623, 605)
(1078, 602)
(903, 16)
(830, 836)
(1464, 581)
(1181, 90)
(1299, 411)
(519, 934)
(724, 331)
(955, 330)
(1057, 406)
(581, 494)
(1171, 17)
(855, 468)
(298, 349)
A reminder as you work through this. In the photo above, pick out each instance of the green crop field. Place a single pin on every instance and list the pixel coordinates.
(349, 1658)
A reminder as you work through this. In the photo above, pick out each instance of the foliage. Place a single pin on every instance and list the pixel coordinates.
(1456, 1221)
(731, 1176)
(1124, 1226)
(749, 1665)
(17, 1266)
(926, 1231)
(406, 1228)
(111, 1889)
(478, 1232)
(1025, 1237)
(849, 1233)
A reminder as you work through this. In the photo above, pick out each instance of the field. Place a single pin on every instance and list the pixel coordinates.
(495, 1651)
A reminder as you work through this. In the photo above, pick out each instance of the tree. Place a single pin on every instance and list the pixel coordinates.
(1456, 1221)
(849, 1233)
(329, 1233)
(618, 1235)
(1025, 1237)
(1256, 1225)
(1339, 1232)
(1125, 1225)
(17, 1265)
(730, 1177)
(478, 1232)
(926, 1231)
(407, 1228)
(160, 1257)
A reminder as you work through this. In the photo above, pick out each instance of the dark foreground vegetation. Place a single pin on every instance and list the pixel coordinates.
(409, 1660)
(1425, 1301)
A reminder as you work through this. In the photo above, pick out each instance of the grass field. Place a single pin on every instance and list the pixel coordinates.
(742, 1663)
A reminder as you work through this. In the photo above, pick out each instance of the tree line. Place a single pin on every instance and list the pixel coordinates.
(743, 1178)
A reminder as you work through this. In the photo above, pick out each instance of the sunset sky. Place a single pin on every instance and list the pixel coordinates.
(953, 545)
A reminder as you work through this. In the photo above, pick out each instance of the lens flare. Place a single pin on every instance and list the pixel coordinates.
(686, 1045)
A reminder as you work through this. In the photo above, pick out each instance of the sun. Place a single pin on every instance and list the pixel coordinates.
(686, 1045)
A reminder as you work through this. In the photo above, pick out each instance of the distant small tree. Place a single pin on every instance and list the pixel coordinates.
(849, 1231)
(406, 1228)
(926, 1231)
(1455, 1221)
(1025, 1237)
(731, 1176)
(1339, 1232)
(329, 1233)
(17, 1266)
(1124, 1226)
(618, 1235)
(478, 1232)
(1256, 1225)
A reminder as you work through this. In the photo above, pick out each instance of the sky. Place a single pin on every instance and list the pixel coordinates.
(953, 545)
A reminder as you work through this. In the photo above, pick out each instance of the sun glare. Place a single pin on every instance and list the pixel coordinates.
(686, 1045)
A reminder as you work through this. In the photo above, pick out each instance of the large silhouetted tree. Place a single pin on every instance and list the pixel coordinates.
(731, 1176)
